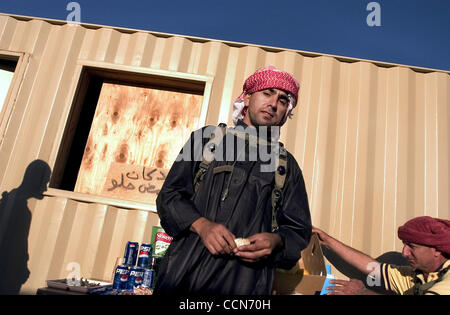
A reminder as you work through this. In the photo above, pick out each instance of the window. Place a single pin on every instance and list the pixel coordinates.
(12, 68)
(124, 132)
(7, 68)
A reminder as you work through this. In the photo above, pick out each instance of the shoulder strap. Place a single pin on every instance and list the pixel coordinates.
(420, 289)
(277, 192)
(280, 174)
(208, 154)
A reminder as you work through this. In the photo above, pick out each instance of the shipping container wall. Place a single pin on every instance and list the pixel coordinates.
(372, 139)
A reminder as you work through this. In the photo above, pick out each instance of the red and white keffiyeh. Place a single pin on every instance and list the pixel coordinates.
(266, 78)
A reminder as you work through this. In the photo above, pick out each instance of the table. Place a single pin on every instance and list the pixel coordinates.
(54, 291)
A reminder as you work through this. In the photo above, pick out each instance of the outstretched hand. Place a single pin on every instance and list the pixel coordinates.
(323, 237)
(346, 287)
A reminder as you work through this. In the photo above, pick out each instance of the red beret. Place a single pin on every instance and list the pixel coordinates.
(427, 231)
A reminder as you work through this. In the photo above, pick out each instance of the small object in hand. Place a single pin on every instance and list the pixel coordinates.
(242, 241)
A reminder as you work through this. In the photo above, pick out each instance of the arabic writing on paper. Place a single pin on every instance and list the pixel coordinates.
(133, 182)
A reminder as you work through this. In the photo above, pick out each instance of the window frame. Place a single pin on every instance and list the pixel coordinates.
(22, 60)
(74, 103)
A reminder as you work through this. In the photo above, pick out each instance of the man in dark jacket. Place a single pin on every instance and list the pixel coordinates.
(234, 200)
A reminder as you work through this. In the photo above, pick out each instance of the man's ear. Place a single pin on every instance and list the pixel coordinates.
(437, 253)
(247, 99)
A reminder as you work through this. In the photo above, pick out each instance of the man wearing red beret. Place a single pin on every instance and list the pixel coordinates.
(426, 245)
(236, 199)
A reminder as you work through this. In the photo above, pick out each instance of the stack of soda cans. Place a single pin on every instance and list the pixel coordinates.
(134, 274)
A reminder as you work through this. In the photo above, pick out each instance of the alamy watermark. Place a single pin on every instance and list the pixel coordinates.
(374, 17)
(74, 277)
(74, 17)
(374, 277)
(239, 144)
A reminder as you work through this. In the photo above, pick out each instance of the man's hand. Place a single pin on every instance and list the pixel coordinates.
(261, 245)
(344, 287)
(323, 237)
(216, 237)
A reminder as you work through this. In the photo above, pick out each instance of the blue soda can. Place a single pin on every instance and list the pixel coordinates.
(135, 278)
(121, 278)
(148, 278)
(145, 255)
(131, 251)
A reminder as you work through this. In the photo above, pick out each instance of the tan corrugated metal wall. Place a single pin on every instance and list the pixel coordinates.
(372, 140)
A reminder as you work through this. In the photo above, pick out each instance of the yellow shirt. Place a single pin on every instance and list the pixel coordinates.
(401, 279)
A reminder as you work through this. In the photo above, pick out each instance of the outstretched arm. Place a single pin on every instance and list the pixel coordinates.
(357, 259)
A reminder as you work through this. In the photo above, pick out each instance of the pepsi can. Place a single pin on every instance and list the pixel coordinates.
(121, 278)
(135, 278)
(145, 255)
(148, 278)
(131, 251)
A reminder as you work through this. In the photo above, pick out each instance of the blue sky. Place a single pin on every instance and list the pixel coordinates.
(412, 32)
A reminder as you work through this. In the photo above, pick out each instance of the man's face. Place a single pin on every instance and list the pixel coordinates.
(420, 257)
(266, 107)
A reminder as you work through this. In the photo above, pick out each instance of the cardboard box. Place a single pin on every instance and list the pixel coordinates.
(295, 280)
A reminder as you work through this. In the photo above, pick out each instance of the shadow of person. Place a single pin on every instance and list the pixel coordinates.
(15, 220)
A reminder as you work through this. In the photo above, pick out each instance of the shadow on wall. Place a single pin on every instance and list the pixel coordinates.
(348, 270)
(15, 220)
